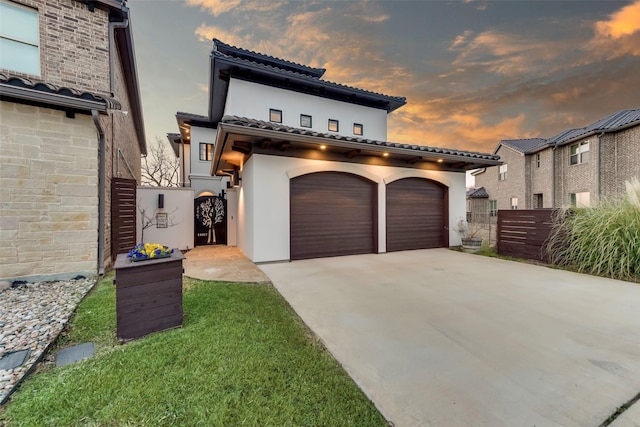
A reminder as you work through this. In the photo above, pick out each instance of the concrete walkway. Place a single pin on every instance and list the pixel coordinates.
(441, 338)
(223, 263)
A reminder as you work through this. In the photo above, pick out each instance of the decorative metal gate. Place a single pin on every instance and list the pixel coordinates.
(210, 221)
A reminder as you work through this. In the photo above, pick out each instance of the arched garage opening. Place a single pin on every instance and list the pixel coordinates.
(417, 214)
(332, 214)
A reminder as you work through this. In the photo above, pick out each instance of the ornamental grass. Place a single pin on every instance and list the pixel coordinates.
(602, 240)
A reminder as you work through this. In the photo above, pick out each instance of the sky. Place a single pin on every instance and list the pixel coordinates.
(473, 72)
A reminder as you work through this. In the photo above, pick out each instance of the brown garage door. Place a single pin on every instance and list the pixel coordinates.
(332, 213)
(417, 215)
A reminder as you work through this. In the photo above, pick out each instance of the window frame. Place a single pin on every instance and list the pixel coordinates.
(537, 160)
(306, 116)
(538, 198)
(581, 154)
(502, 172)
(4, 35)
(275, 111)
(208, 152)
(493, 208)
(358, 126)
(573, 199)
(514, 203)
(332, 121)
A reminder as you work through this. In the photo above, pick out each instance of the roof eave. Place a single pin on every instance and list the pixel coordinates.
(127, 55)
(53, 99)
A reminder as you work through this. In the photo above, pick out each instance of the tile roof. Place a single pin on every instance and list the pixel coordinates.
(284, 64)
(8, 81)
(477, 193)
(394, 101)
(259, 124)
(526, 145)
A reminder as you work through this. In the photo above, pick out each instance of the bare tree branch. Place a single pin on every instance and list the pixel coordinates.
(160, 168)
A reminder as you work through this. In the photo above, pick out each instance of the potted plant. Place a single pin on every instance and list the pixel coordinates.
(469, 234)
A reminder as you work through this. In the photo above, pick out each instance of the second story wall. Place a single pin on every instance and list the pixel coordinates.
(541, 177)
(576, 178)
(73, 45)
(252, 100)
(201, 166)
(513, 186)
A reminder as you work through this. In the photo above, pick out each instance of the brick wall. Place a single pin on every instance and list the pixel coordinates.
(513, 186)
(48, 183)
(541, 178)
(119, 135)
(575, 178)
(620, 161)
(74, 45)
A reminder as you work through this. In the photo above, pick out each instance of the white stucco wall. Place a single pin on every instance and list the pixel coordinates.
(200, 170)
(263, 202)
(178, 205)
(253, 100)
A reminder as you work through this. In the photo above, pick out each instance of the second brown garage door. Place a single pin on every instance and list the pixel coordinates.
(332, 213)
(417, 215)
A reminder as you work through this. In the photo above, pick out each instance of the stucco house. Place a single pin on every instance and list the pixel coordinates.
(70, 122)
(312, 174)
(574, 167)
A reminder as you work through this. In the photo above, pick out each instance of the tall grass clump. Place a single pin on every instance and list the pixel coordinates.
(602, 240)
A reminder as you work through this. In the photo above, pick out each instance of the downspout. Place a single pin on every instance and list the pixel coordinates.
(599, 168)
(101, 190)
(553, 177)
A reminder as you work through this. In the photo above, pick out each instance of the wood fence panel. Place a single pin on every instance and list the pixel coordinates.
(524, 233)
(123, 215)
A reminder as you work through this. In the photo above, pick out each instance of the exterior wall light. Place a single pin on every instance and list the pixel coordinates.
(385, 154)
(323, 147)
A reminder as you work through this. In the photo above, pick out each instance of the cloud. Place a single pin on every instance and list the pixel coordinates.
(219, 7)
(624, 22)
(619, 35)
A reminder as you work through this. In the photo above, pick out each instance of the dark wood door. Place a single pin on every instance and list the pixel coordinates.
(210, 225)
(417, 215)
(332, 213)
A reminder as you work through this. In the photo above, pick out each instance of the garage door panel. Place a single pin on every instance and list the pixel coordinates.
(332, 214)
(416, 214)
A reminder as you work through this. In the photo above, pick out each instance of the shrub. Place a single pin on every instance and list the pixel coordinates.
(603, 240)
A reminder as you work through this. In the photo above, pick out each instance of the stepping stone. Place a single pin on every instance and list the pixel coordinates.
(74, 354)
(14, 359)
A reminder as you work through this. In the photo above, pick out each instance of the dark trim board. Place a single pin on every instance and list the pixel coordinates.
(417, 214)
(332, 214)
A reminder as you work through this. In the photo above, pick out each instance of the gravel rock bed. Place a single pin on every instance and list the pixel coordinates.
(32, 315)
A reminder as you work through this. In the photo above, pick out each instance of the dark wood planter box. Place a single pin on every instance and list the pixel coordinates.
(148, 295)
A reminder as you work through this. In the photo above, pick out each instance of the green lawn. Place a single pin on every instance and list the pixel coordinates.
(243, 357)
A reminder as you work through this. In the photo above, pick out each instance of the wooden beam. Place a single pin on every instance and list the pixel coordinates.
(414, 160)
(266, 143)
(240, 149)
(284, 146)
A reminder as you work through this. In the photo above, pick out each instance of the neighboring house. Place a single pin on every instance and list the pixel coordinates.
(311, 171)
(572, 168)
(477, 199)
(70, 121)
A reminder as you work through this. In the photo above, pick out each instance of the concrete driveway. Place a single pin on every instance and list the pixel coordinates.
(441, 338)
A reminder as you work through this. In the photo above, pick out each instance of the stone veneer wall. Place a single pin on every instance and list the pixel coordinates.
(48, 193)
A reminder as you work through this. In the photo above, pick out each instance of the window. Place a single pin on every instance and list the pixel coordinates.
(537, 160)
(538, 201)
(305, 121)
(580, 200)
(206, 151)
(502, 172)
(275, 115)
(579, 153)
(333, 125)
(493, 208)
(358, 129)
(19, 39)
(514, 203)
